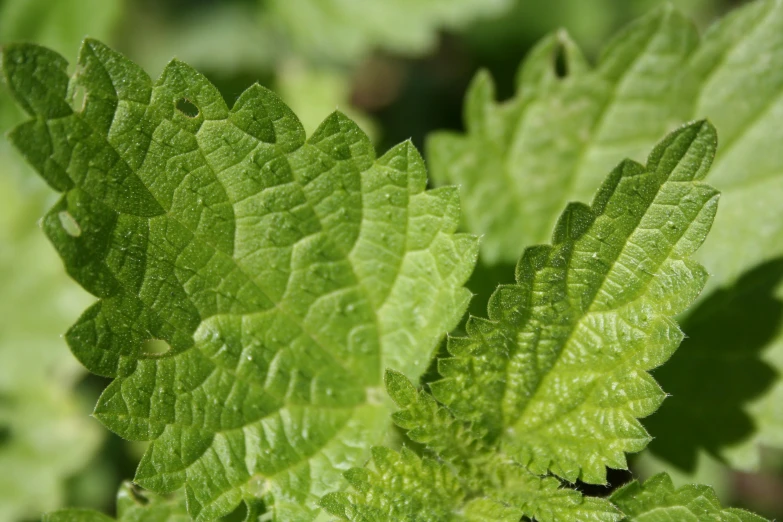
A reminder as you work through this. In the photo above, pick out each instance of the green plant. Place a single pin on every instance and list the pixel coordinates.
(521, 160)
(285, 277)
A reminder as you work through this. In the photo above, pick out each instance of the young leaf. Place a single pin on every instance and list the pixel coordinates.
(555, 379)
(520, 160)
(282, 273)
(132, 506)
(402, 487)
(557, 375)
(405, 487)
(657, 501)
(483, 471)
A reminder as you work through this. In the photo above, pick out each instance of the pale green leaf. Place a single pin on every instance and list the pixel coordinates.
(283, 273)
(348, 30)
(133, 505)
(557, 375)
(658, 501)
(555, 379)
(403, 487)
(521, 160)
(488, 476)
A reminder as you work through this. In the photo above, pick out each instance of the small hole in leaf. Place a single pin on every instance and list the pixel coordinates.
(561, 62)
(79, 98)
(155, 347)
(238, 515)
(69, 224)
(187, 107)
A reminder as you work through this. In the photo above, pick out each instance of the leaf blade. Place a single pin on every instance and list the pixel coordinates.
(589, 316)
(283, 273)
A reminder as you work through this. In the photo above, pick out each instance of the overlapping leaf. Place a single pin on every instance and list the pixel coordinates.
(658, 501)
(556, 378)
(461, 478)
(283, 273)
(520, 161)
(557, 374)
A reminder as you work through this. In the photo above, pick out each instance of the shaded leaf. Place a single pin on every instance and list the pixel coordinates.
(658, 501)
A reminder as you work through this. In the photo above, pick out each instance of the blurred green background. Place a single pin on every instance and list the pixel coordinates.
(318, 57)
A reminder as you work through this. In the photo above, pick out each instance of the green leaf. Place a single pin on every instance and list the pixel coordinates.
(520, 160)
(558, 373)
(555, 379)
(343, 31)
(284, 273)
(657, 501)
(407, 488)
(46, 436)
(488, 476)
(133, 505)
(428, 488)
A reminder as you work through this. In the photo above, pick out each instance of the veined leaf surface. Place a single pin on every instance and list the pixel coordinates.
(521, 160)
(283, 273)
(557, 374)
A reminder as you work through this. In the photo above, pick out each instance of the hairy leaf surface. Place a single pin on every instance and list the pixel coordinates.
(521, 160)
(658, 501)
(558, 373)
(555, 379)
(461, 477)
(283, 273)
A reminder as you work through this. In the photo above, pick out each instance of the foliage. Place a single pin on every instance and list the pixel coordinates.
(255, 285)
(554, 380)
(45, 435)
(344, 30)
(276, 340)
(519, 161)
(658, 501)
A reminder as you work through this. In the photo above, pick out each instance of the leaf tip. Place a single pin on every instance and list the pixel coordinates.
(400, 389)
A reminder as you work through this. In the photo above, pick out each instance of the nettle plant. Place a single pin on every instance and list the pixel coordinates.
(302, 287)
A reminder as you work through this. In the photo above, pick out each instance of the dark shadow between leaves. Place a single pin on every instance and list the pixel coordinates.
(482, 283)
(718, 369)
